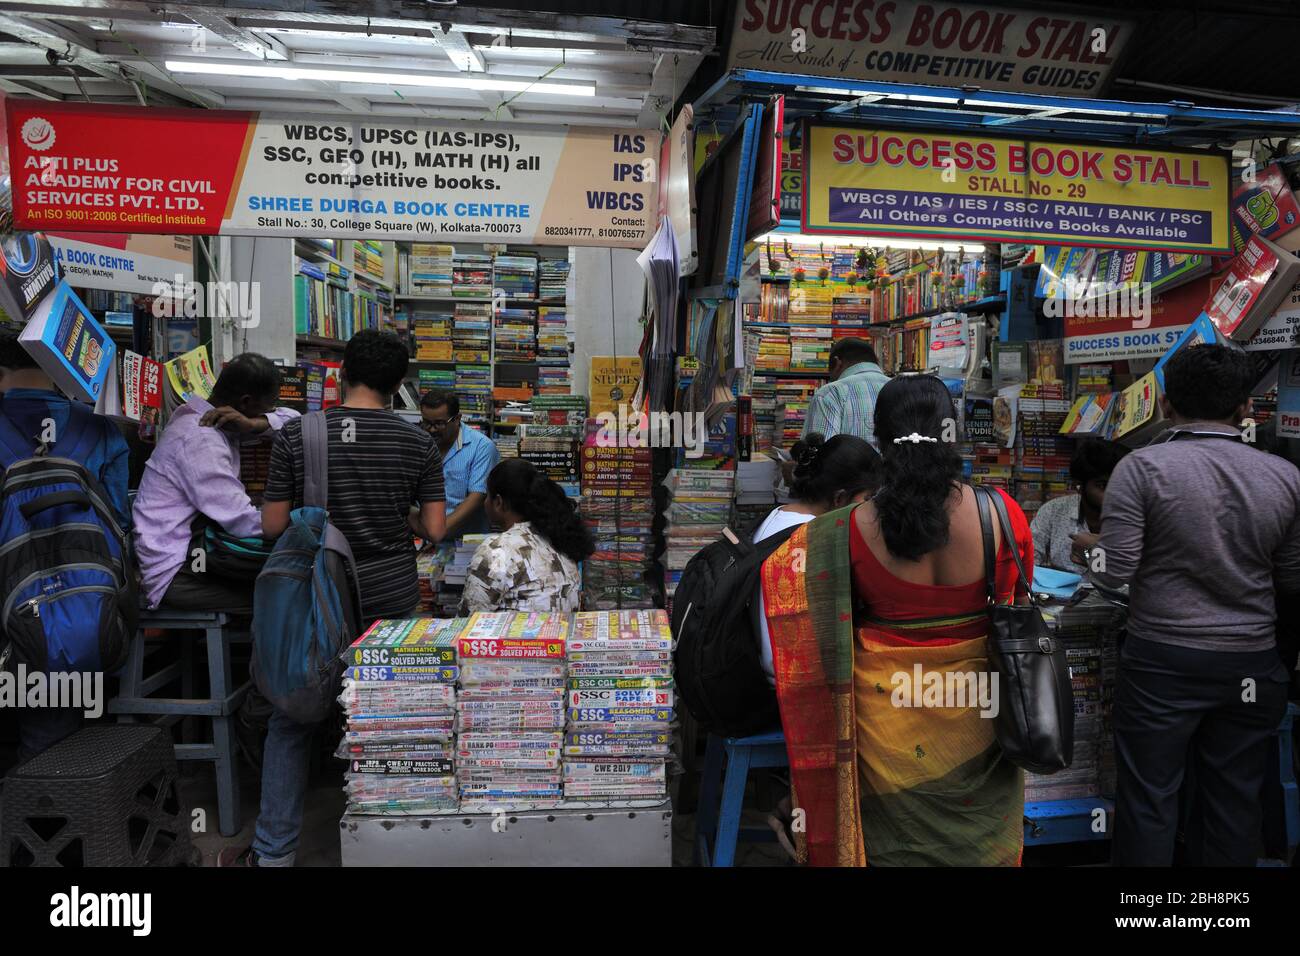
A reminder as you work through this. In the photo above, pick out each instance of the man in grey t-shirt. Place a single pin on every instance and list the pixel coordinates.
(1205, 529)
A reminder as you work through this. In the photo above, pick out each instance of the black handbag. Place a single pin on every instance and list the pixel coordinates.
(1035, 721)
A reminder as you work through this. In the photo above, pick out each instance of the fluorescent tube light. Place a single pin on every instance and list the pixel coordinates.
(289, 72)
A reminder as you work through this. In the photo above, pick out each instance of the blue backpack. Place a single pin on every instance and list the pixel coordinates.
(306, 607)
(66, 582)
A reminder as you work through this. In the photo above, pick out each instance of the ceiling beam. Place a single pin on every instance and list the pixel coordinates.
(455, 46)
(381, 14)
(671, 73)
(70, 46)
(238, 37)
(28, 89)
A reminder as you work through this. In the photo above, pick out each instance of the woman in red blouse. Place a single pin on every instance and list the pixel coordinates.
(878, 616)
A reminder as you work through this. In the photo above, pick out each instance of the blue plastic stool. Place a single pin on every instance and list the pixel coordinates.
(717, 822)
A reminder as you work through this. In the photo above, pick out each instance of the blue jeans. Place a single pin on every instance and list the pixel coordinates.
(285, 763)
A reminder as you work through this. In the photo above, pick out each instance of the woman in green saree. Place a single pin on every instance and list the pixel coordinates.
(878, 617)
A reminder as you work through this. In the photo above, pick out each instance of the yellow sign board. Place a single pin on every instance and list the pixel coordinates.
(955, 186)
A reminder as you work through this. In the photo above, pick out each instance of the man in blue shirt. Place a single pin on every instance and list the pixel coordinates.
(467, 457)
(29, 401)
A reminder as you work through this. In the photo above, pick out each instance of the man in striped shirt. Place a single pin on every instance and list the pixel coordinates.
(385, 485)
(847, 404)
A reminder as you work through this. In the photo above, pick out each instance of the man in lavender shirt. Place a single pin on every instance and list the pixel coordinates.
(195, 470)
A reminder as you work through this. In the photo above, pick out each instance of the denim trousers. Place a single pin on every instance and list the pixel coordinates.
(285, 763)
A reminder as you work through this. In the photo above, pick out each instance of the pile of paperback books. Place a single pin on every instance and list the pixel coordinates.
(621, 697)
(511, 708)
(399, 694)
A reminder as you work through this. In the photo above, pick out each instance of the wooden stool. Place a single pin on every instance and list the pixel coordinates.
(135, 700)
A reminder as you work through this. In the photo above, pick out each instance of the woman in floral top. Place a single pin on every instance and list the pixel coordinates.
(532, 564)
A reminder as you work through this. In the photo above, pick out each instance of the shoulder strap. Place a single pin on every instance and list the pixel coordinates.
(1004, 519)
(315, 461)
(982, 496)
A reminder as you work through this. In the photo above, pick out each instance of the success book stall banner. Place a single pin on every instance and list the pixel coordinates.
(938, 44)
(89, 168)
(953, 186)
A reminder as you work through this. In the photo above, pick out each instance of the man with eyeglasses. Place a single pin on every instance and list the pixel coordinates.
(467, 457)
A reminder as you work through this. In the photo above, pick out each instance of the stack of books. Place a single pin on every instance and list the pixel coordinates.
(621, 702)
(792, 396)
(553, 278)
(399, 695)
(511, 708)
(471, 275)
(428, 269)
(554, 376)
(471, 332)
(516, 276)
(618, 509)
(810, 349)
(431, 335)
(474, 389)
(438, 380)
(773, 350)
(368, 257)
(515, 334)
(322, 302)
(699, 507)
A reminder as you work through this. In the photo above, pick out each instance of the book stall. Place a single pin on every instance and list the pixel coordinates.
(1041, 342)
(624, 255)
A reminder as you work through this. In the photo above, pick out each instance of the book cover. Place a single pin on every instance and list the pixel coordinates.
(141, 388)
(29, 272)
(1258, 279)
(1089, 416)
(190, 374)
(1137, 416)
(69, 345)
(1010, 364)
(1200, 332)
(612, 382)
(1265, 207)
(1168, 270)
(293, 388)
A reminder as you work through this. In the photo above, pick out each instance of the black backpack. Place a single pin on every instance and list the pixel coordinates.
(718, 670)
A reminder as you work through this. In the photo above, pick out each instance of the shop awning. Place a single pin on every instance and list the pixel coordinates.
(1172, 123)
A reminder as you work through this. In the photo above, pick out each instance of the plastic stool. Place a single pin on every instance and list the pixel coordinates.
(717, 822)
(106, 796)
(134, 700)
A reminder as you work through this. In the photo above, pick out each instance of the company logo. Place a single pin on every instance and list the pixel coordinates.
(38, 133)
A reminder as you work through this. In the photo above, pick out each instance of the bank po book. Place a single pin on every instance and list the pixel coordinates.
(418, 641)
(516, 742)
(409, 768)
